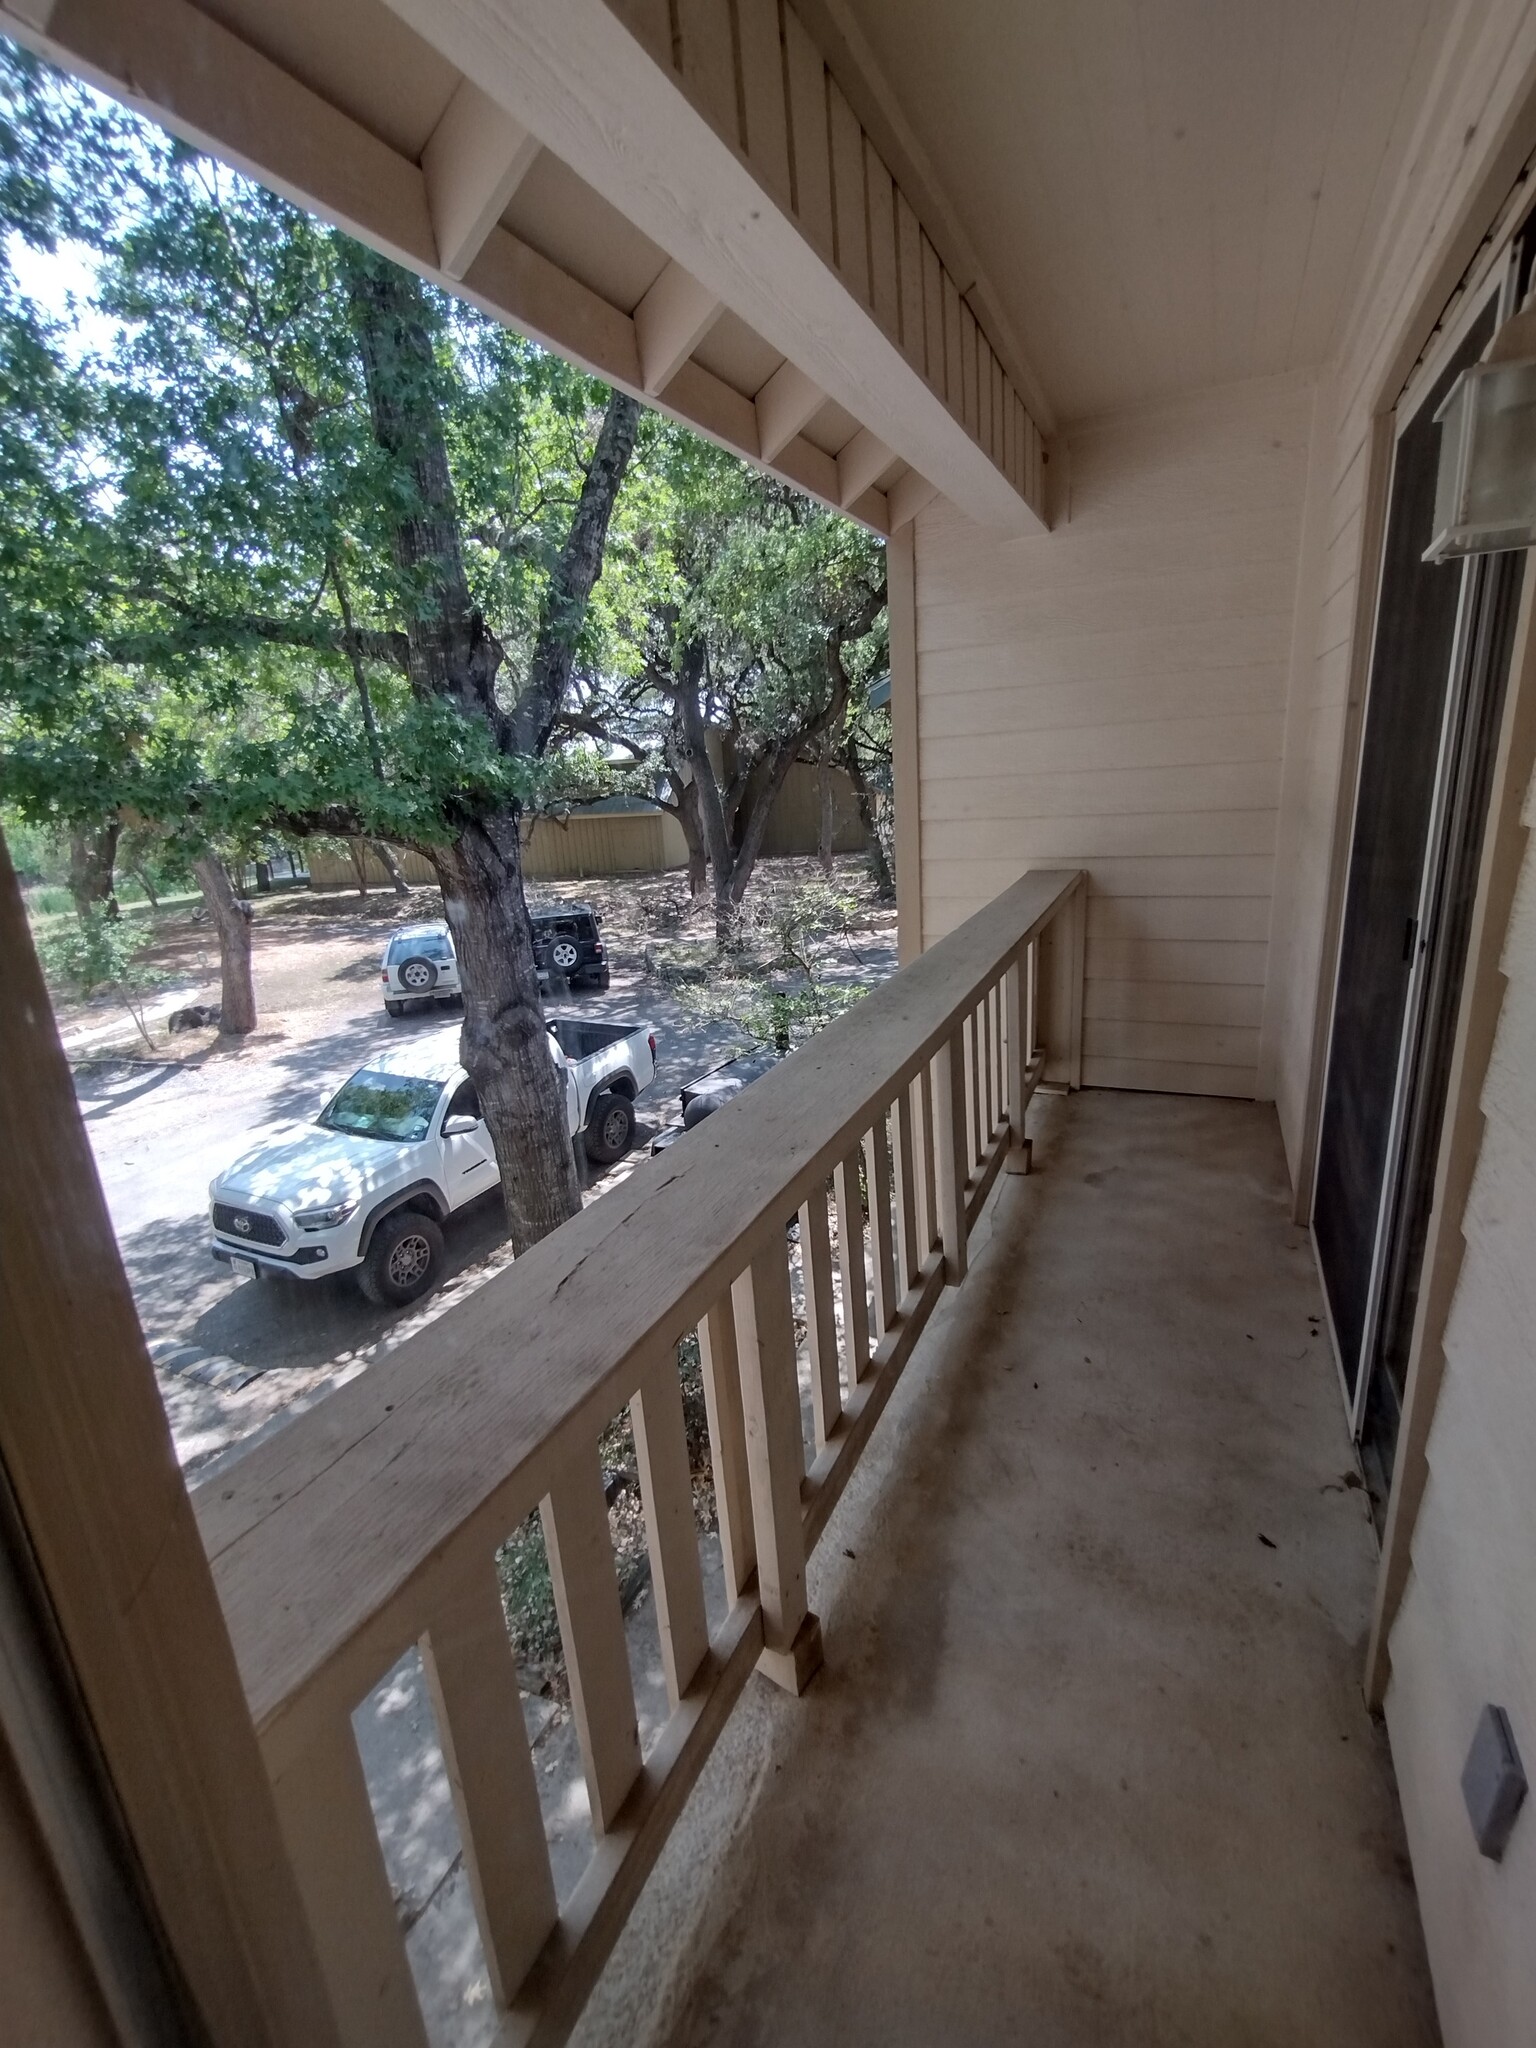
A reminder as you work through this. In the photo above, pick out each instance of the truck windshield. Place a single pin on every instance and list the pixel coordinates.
(378, 1105)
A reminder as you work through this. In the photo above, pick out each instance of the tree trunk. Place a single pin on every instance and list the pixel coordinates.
(504, 1044)
(758, 799)
(864, 797)
(92, 859)
(827, 820)
(453, 656)
(688, 818)
(710, 809)
(231, 920)
(357, 853)
(391, 866)
(151, 894)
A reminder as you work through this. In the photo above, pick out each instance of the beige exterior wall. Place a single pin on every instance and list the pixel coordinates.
(1466, 1632)
(1113, 696)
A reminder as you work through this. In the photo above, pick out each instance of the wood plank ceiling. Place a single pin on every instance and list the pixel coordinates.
(1162, 194)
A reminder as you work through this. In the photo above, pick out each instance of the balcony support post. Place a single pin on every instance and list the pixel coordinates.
(770, 1390)
(1060, 951)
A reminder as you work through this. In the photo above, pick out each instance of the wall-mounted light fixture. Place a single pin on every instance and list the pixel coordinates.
(1485, 491)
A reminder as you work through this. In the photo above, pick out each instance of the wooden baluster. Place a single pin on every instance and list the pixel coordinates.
(989, 1050)
(472, 1682)
(950, 1146)
(877, 1168)
(820, 1321)
(770, 1394)
(907, 1256)
(988, 1094)
(592, 1630)
(1014, 997)
(728, 1446)
(972, 1111)
(1032, 1021)
(927, 1198)
(998, 1057)
(666, 1492)
(333, 1844)
(850, 1255)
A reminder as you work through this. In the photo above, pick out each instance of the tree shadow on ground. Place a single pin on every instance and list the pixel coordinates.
(182, 1291)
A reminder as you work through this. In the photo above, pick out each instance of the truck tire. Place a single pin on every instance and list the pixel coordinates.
(610, 1129)
(418, 977)
(404, 1257)
(393, 1008)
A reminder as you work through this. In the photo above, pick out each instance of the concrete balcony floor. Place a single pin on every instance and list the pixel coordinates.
(1088, 1761)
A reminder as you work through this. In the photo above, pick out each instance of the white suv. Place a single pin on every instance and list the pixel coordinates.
(420, 966)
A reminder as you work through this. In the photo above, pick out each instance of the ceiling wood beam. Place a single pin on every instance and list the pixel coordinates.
(671, 158)
(175, 64)
(670, 322)
(907, 497)
(786, 403)
(865, 456)
(475, 159)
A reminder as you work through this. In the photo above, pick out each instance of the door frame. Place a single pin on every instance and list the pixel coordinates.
(1489, 287)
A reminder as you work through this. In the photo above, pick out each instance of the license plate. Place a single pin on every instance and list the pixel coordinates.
(246, 1268)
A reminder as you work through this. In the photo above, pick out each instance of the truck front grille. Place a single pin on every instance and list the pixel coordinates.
(247, 1225)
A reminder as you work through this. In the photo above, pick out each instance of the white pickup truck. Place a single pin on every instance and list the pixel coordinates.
(368, 1185)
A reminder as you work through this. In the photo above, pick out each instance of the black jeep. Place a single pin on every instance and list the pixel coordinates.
(566, 942)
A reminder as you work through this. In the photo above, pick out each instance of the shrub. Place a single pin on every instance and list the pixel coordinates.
(86, 955)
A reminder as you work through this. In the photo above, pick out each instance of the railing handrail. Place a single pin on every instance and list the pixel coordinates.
(327, 1528)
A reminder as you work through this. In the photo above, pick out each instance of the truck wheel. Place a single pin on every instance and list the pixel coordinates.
(418, 976)
(610, 1129)
(393, 1008)
(404, 1255)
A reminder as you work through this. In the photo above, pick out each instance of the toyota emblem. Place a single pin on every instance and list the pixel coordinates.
(243, 1225)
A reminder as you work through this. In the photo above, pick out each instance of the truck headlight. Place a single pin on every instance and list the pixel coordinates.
(323, 1219)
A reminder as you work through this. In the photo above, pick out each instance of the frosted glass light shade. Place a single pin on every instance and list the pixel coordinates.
(1485, 491)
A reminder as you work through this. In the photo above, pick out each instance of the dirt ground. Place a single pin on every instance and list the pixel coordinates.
(236, 1356)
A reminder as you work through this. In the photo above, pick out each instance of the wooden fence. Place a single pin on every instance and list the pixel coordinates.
(601, 842)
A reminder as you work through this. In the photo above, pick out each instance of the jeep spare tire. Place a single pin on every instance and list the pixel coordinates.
(417, 976)
(610, 1129)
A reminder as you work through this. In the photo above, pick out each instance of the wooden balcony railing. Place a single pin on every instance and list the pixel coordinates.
(373, 1522)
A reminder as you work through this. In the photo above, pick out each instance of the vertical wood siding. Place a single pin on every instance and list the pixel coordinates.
(754, 72)
(1113, 696)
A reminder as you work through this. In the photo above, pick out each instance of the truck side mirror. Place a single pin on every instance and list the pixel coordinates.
(459, 1126)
